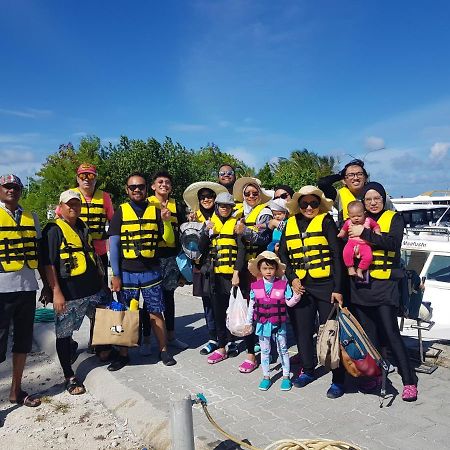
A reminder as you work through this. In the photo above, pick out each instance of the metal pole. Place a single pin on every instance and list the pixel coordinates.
(181, 424)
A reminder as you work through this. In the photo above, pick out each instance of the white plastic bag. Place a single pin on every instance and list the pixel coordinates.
(237, 314)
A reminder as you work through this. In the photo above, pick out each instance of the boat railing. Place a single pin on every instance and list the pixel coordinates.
(441, 231)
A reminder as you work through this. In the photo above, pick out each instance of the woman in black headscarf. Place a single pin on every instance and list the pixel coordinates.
(377, 301)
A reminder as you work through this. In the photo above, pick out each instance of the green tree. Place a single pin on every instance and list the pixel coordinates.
(266, 176)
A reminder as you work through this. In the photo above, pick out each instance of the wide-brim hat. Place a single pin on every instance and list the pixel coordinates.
(238, 189)
(325, 203)
(253, 264)
(190, 194)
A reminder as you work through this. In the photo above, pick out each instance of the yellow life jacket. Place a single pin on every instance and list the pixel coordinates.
(93, 214)
(251, 250)
(383, 260)
(139, 236)
(199, 217)
(73, 252)
(309, 251)
(223, 247)
(238, 210)
(172, 207)
(345, 197)
(17, 242)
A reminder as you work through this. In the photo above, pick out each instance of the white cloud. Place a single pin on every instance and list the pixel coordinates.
(224, 123)
(188, 127)
(27, 113)
(248, 157)
(374, 143)
(439, 150)
(80, 134)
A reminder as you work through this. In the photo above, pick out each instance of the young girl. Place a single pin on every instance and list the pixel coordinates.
(357, 216)
(269, 296)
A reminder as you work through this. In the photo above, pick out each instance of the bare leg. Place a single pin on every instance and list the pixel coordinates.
(17, 372)
(359, 273)
(352, 271)
(159, 328)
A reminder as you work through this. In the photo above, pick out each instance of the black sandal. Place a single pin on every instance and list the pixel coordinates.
(74, 383)
(26, 400)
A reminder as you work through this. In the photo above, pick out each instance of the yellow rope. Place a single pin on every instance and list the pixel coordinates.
(287, 444)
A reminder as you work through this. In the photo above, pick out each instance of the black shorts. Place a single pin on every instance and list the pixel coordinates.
(18, 307)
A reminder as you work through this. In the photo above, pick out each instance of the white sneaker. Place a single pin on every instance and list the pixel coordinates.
(176, 343)
(145, 350)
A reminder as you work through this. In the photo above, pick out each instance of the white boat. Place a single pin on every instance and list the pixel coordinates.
(427, 251)
(427, 198)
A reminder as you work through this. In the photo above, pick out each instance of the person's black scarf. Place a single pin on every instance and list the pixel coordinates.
(373, 185)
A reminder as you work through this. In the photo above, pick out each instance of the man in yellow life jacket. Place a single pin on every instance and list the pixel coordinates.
(72, 274)
(167, 252)
(354, 177)
(226, 176)
(135, 231)
(19, 231)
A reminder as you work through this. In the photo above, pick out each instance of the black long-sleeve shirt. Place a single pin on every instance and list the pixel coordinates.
(320, 287)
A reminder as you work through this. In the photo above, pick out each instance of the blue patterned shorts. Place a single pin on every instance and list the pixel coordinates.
(149, 283)
(71, 320)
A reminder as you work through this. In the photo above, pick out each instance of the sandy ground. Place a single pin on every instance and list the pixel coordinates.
(63, 421)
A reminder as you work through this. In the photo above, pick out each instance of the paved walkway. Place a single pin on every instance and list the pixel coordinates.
(143, 390)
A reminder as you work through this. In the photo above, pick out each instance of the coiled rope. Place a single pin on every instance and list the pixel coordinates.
(284, 444)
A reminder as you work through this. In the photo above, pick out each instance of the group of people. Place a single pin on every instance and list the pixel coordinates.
(283, 251)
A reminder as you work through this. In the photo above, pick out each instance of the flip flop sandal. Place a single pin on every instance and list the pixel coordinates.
(26, 400)
(248, 366)
(216, 357)
(73, 384)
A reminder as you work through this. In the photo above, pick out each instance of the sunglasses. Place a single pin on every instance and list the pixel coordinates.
(313, 203)
(12, 186)
(224, 205)
(206, 196)
(284, 196)
(251, 194)
(229, 173)
(139, 187)
(86, 176)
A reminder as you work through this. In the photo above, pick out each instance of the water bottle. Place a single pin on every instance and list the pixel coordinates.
(134, 305)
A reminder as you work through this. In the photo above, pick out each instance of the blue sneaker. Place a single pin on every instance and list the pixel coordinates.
(265, 384)
(335, 391)
(257, 348)
(303, 379)
(286, 384)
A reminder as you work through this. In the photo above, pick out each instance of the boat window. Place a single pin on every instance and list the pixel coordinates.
(414, 260)
(439, 269)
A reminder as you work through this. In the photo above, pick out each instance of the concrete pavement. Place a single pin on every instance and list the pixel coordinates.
(142, 391)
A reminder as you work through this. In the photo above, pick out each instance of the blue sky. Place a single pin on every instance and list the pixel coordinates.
(258, 78)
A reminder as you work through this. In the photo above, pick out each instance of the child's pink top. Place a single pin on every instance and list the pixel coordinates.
(368, 223)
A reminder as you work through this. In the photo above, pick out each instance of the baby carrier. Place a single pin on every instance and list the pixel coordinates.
(358, 354)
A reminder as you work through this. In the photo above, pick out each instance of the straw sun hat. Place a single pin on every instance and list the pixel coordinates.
(253, 264)
(190, 194)
(238, 189)
(325, 203)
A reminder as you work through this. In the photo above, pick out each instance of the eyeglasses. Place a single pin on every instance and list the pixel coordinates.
(373, 200)
(284, 196)
(12, 187)
(86, 176)
(351, 175)
(229, 173)
(313, 203)
(139, 187)
(251, 194)
(206, 196)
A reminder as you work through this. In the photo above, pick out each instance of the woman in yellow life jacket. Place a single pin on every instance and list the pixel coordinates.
(253, 226)
(72, 274)
(313, 256)
(223, 263)
(376, 302)
(200, 197)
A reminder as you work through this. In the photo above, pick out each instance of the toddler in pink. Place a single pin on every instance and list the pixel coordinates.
(357, 246)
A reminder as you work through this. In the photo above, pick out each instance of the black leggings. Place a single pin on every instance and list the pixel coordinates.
(64, 351)
(169, 305)
(305, 313)
(380, 324)
(220, 304)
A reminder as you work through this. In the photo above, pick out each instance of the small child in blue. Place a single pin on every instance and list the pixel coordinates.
(277, 224)
(269, 296)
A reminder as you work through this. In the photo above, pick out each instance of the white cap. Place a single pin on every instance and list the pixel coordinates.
(69, 195)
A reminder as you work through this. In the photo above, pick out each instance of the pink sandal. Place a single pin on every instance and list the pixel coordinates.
(216, 357)
(248, 366)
